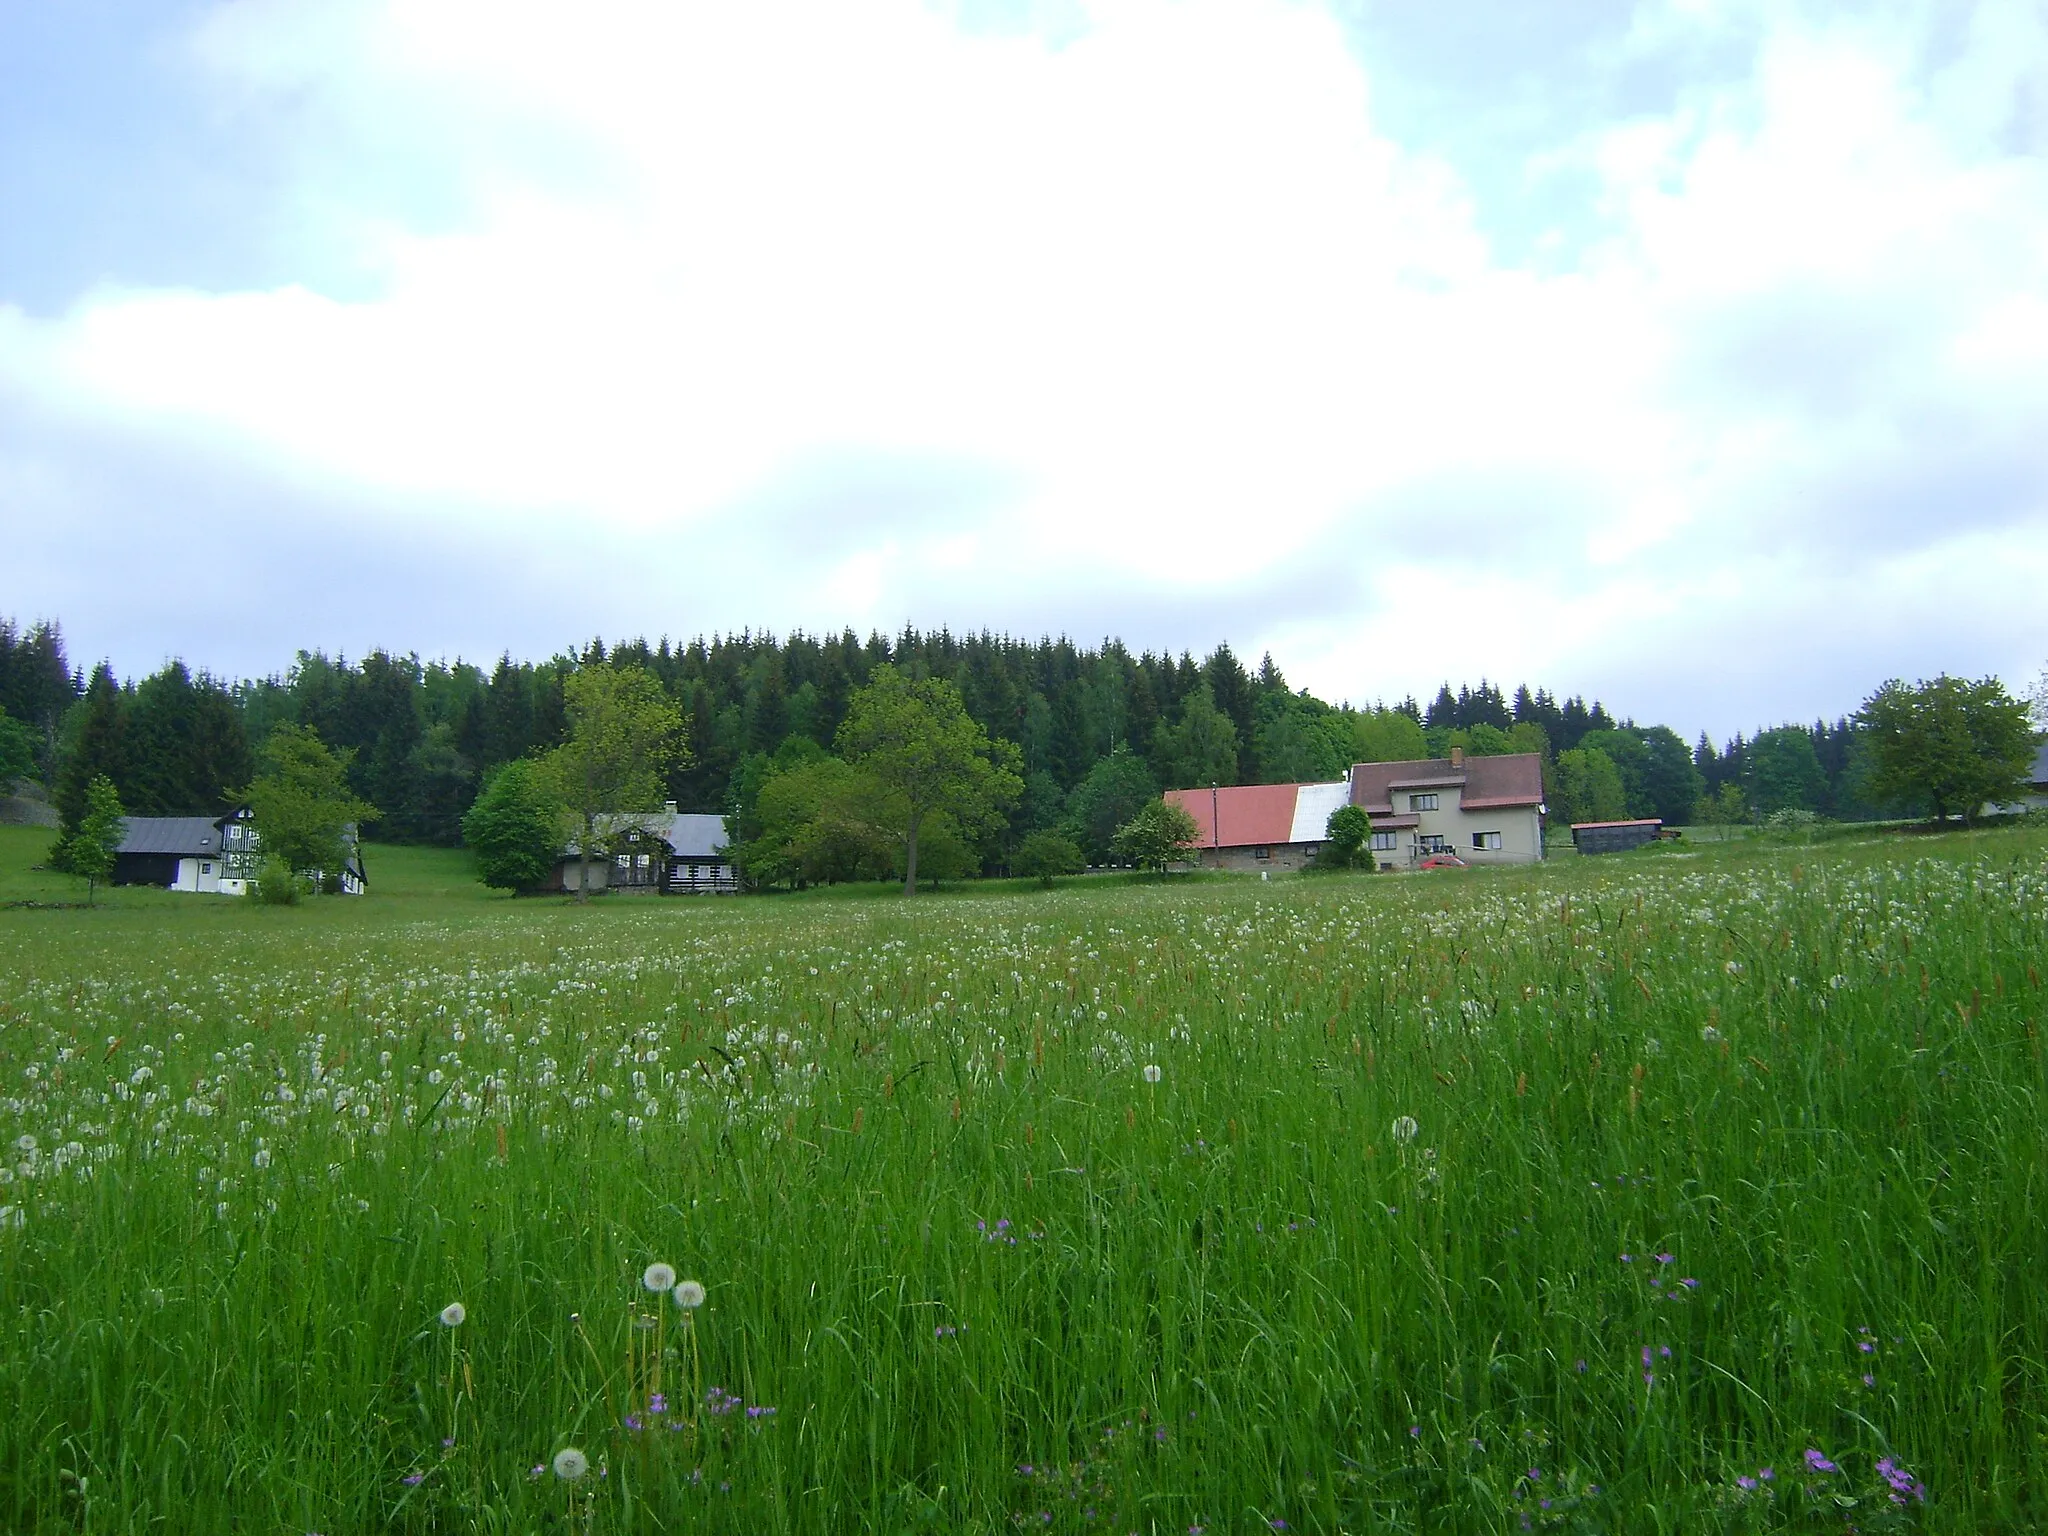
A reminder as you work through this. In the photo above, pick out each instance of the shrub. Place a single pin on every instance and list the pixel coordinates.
(1046, 854)
(275, 885)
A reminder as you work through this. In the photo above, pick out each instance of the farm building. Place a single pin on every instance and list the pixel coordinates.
(1261, 826)
(1486, 810)
(666, 852)
(1615, 836)
(211, 855)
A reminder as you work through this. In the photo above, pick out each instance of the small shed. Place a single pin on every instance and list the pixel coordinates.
(1615, 836)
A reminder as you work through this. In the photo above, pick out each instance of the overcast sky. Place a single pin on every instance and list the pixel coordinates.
(1690, 354)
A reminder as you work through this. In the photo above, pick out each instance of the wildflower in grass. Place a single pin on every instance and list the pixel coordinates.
(1745, 1482)
(414, 1479)
(689, 1295)
(453, 1314)
(1902, 1482)
(659, 1277)
(1151, 1073)
(570, 1464)
(657, 1402)
(1404, 1129)
(1816, 1462)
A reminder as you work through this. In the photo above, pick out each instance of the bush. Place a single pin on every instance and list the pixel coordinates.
(275, 884)
(1046, 854)
(1792, 825)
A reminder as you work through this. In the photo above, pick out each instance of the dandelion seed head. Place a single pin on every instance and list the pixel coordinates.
(659, 1277)
(570, 1464)
(1404, 1129)
(689, 1295)
(1151, 1072)
(453, 1314)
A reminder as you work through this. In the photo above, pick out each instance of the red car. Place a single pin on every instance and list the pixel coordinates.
(1443, 861)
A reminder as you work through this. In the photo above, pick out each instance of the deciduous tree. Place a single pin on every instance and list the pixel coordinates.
(1160, 834)
(1589, 787)
(1344, 839)
(1045, 855)
(99, 835)
(515, 827)
(625, 734)
(1948, 744)
(301, 802)
(915, 737)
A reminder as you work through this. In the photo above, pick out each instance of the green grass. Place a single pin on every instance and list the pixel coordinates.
(988, 1277)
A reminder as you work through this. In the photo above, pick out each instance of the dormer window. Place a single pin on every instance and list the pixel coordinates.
(1422, 802)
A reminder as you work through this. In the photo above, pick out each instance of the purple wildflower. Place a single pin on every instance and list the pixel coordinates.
(1819, 1463)
(658, 1403)
(414, 1479)
(1745, 1482)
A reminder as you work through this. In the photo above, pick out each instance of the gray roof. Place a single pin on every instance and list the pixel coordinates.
(185, 836)
(693, 835)
(2041, 767)
(689, 834)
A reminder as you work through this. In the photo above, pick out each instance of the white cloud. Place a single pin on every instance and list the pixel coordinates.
(1153, 297)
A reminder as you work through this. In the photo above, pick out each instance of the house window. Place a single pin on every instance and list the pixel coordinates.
(1486, 840)
(642, 860)
(1422, 802)
(1383, 842)
(1432, 843)
(206, 869)
(234, 834)
(1262, 853)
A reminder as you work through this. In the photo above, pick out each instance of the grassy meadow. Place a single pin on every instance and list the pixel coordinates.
(1669, 1192)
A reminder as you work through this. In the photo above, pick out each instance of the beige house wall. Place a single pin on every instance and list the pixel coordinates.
(1520, 829)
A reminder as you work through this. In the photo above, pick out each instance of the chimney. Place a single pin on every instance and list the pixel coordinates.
(1457, 757)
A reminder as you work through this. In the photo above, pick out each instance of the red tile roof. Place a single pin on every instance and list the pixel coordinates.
(1252, 814)
(1489, 783)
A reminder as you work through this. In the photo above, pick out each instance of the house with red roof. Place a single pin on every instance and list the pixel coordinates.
(1263, 827)
(1486, 810)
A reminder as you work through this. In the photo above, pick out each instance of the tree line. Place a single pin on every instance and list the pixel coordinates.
(1094, 731)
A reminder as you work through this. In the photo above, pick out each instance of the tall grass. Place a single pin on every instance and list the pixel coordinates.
(1717, 1166)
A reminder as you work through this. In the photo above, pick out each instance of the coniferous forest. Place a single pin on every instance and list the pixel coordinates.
(1089, 722)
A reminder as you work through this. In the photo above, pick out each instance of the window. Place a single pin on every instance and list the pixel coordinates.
(234, 834)
(1432, 843)
(642, 860)
(1422, 802)
(206, 869)
(1383, 842)
(1262, 853)
(1485, 839)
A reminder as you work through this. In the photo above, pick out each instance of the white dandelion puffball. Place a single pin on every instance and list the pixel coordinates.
(453, 1314)
(659, 1277)
(570, 1464)
(1405, 1129)
(689, 1295)
(1151, 1072)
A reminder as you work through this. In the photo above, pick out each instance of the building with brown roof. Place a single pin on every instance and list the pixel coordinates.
(1486, 810)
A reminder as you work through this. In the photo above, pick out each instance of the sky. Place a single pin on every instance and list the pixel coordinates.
(1689, 355)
